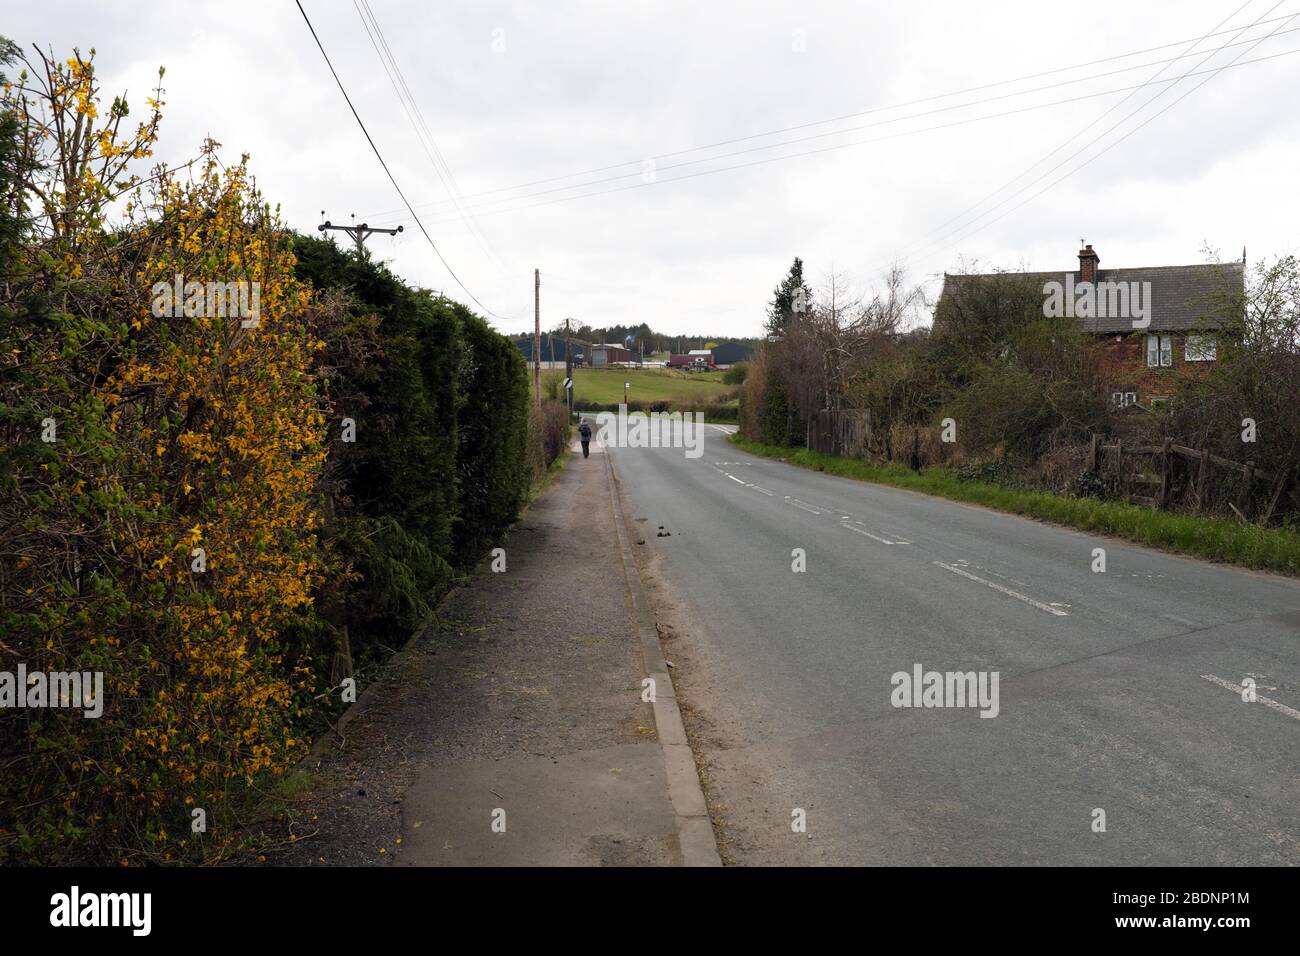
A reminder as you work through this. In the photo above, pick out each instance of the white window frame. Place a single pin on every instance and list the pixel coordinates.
(1162, 352)
(1200, 348)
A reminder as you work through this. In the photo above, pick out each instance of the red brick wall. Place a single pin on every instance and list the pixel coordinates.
(1124, 359)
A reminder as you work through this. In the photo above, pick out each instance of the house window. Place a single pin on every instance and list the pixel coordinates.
(1160, 351)
(1123, 399)
(1200, 348)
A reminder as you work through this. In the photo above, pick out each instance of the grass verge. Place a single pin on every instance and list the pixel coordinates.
(1216, 539)
(547, 479)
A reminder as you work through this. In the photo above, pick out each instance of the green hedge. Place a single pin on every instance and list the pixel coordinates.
(440, 466)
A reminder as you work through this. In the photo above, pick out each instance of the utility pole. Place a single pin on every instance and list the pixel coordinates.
(537, 335)
(568, 366)
(358, 233)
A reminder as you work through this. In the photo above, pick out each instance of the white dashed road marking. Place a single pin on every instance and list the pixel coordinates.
(1004, 590)
(1266, 701)
(864, 531)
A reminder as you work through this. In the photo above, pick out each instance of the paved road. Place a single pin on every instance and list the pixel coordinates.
(1117, 690)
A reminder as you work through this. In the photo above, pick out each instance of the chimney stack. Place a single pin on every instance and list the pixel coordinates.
(1088, 264)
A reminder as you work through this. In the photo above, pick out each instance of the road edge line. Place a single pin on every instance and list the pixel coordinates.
(695, 834)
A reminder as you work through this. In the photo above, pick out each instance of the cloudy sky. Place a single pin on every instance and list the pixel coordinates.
(566, 130)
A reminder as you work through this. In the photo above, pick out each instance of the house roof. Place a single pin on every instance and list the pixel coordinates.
(1183, 298)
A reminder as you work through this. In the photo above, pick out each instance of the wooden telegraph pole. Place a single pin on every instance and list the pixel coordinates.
(358, 233)
(568, 366)
(537, 335)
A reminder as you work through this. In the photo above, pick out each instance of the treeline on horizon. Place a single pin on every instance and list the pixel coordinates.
(648, 342)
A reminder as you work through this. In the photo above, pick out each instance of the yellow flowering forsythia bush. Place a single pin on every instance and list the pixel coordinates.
(163, 438)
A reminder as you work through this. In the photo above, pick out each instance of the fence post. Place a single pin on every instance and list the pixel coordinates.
(1244, 499)
(1165, 475)
(1202, 478)
(1092, 453)
(1282, 481)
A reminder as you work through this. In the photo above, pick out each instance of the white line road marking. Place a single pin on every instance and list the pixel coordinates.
(1007, 591)
(1266, 701)
(799, 504)
(874, 537)
(742, 481)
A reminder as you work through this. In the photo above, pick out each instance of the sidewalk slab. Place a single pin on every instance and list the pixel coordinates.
(514, 732)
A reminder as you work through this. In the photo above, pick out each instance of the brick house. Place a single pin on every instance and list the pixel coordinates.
(1156, 323)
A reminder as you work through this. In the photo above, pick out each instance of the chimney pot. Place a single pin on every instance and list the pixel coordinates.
(1088, 260)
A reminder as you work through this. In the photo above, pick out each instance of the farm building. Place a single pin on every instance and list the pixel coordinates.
(609, 354)
(729, 353)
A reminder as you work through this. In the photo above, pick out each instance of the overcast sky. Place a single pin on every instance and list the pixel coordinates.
(517, 93)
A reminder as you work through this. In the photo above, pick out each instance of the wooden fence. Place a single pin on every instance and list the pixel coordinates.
(840, 432)
(1170, 473)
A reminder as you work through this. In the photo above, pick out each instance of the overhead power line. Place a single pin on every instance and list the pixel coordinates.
(860, 142)
(387, 171)
(879, 109)
(1208, 75)
(415, 116)
(934, 236)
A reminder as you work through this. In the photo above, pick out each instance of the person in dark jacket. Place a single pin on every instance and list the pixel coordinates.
(584, 433)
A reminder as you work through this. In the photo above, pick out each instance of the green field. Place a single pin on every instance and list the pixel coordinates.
(605, 386)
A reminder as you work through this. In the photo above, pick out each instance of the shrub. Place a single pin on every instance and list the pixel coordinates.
(548, 430)
(168, 534)
(179, 509)
(736, 374)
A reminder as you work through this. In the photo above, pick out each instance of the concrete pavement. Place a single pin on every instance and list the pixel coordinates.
(515, 732)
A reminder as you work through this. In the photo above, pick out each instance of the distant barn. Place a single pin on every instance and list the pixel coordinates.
(729, 353)
(609, 354)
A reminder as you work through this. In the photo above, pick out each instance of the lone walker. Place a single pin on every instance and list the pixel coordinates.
(584, 433)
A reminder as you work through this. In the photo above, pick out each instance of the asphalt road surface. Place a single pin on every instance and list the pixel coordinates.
(1118, 692)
